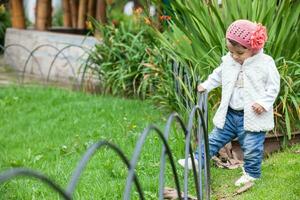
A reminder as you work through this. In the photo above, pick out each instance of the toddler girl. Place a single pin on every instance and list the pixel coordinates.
(250, 84)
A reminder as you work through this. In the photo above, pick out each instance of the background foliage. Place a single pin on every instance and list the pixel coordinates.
(4, 23)
(127, 59)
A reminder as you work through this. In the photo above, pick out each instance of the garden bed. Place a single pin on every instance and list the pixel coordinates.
(273, 143)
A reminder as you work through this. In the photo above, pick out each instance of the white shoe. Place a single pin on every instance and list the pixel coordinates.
(182, 163)
(244, 179)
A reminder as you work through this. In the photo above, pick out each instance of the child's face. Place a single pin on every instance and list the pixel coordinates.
(239, 53)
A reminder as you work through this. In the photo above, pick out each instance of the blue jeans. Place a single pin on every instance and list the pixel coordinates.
(252, 143)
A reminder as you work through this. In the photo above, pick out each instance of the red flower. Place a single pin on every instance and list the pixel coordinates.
(259, 37)
(165, 17)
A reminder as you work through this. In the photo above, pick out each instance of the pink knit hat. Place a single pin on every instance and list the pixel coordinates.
(251, 35)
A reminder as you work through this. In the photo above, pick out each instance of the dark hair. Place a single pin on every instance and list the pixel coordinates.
(236, 44)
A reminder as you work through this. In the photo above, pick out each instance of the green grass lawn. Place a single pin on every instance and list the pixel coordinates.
(280, 179)
(49, 129)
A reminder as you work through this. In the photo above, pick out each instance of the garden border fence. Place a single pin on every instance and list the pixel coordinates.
(78, 80)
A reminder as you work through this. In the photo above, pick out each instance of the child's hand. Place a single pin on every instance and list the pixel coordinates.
(258, 109)
(200, 88)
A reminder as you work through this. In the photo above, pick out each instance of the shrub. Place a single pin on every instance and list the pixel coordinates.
(127, 60)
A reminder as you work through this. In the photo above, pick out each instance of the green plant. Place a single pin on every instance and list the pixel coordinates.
(57, 19)
(4, 23)
(126, 60)
(195, 38)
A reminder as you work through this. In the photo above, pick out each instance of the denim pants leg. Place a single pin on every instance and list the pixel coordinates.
(252, 143)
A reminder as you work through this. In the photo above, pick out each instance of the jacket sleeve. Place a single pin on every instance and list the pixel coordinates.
(272, 87)
(214, 79)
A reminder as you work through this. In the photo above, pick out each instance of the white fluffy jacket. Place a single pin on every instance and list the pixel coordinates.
(261, 85)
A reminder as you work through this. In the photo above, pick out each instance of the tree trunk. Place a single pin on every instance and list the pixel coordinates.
(49, 17)
(42, 14)
(82, 14)
(101, 11)
(92, 8)
(17, 14)
(74, 4)
(67, 13)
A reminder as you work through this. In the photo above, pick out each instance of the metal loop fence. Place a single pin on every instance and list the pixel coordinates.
(31, 56)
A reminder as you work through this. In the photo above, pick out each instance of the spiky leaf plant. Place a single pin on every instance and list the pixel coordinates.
(196, 38)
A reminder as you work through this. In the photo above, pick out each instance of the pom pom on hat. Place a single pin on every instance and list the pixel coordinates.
(251, 35)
